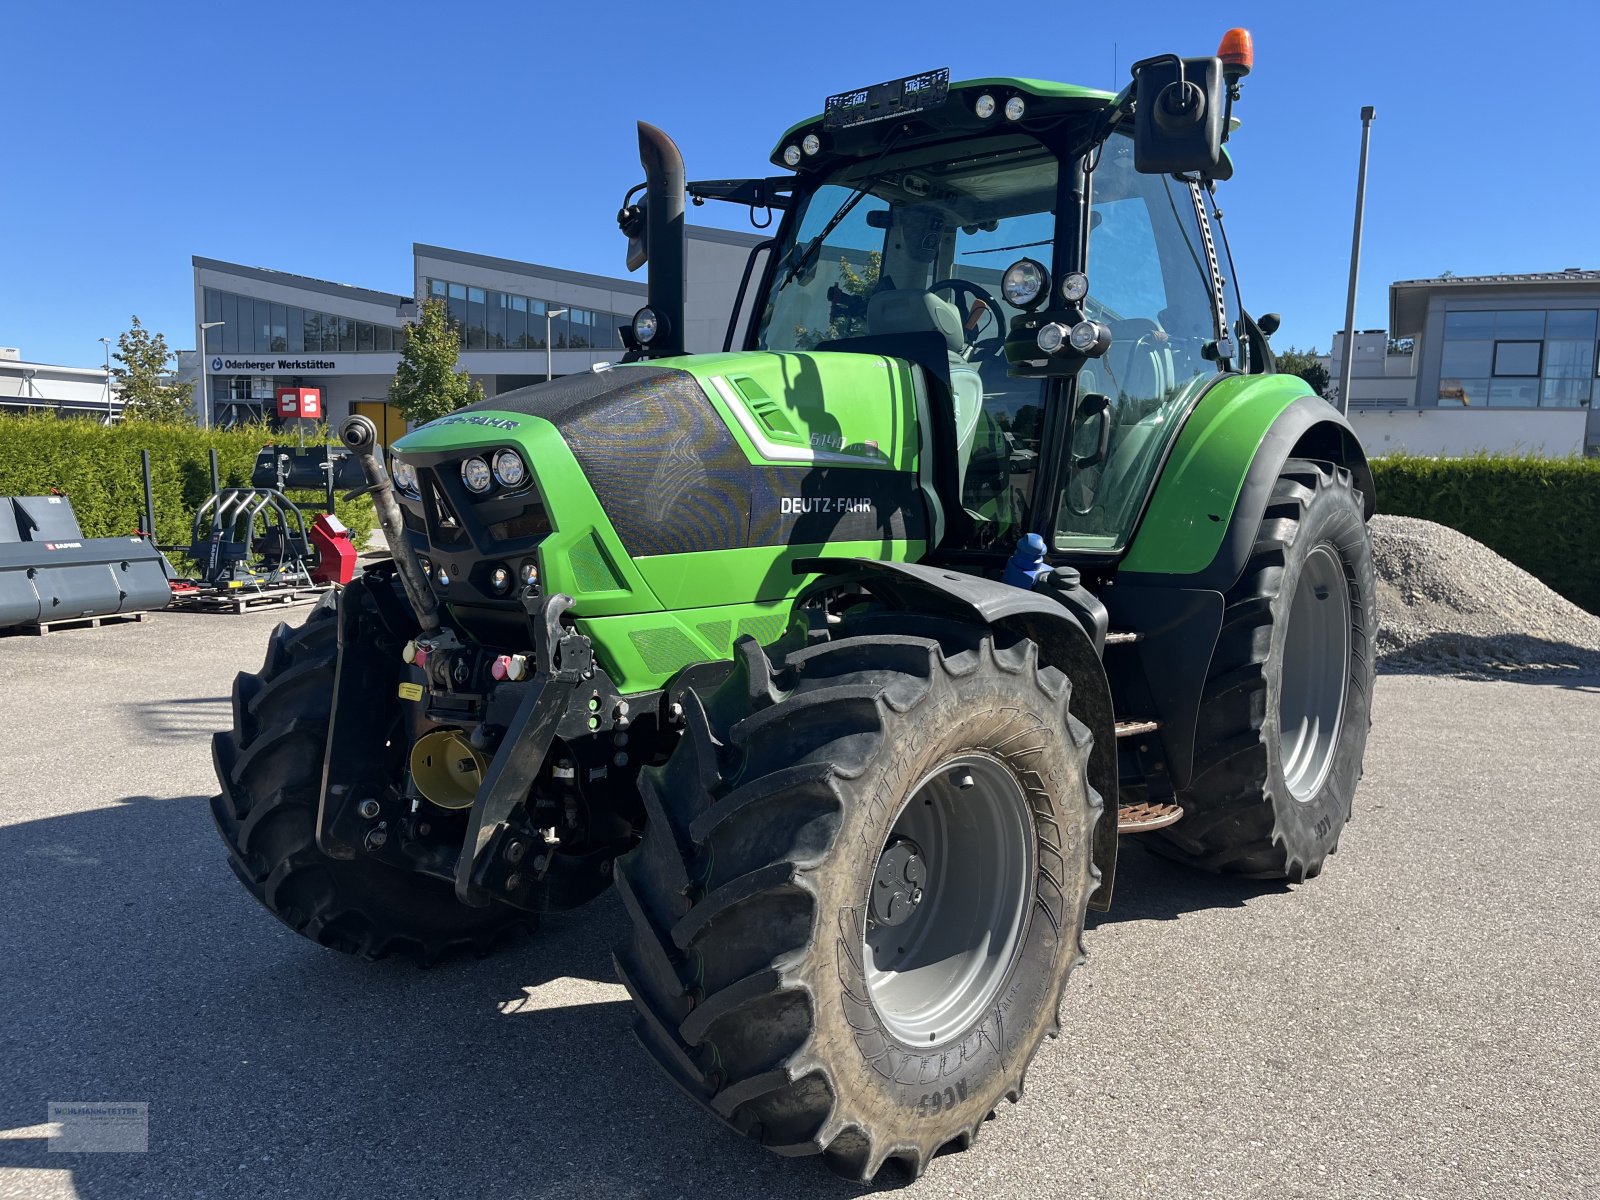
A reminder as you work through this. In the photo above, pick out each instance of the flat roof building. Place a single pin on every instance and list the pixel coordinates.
(520, 323)
(1491, 362)
(49, 387)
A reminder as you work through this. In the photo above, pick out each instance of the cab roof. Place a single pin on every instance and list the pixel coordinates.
(955, 116)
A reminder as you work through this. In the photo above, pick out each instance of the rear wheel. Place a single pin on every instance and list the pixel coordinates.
(862, 888)
(270, 769)
(1286, 706)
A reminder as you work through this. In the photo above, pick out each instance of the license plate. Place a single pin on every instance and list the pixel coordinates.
(885, 101)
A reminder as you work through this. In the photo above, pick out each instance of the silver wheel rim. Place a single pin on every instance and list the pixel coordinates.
(1316, 673)
(941, 941)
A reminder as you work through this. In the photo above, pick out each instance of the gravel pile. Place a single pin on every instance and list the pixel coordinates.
(1451, 606)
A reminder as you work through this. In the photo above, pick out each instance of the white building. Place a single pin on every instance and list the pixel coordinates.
(520, 323)
(1483, 362)
(48, 387)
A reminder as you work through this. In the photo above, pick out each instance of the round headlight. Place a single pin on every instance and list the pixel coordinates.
(984, 106)
(530, 574)
(442, 577)
(1074, 287)
(1052, 337)
(1025, 283)
(475, 474)
(811, 144)
(500, 580)
(791, 156)
(509, 468)
(646, 325)
(1015, 107)
(403, 474)
(1088, 337)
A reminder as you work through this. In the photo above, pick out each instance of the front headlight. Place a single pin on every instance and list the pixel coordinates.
(475, 474)
(509, 468)
(646, 325)
(1025, 283)
(404, 475)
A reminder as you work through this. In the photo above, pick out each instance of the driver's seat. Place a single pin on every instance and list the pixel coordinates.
(912, 310)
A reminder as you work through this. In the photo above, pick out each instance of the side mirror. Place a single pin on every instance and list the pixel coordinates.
(634, 221)
(1179, 116)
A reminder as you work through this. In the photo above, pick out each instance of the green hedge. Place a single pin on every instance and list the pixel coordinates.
(1541, 513)
(98, 468)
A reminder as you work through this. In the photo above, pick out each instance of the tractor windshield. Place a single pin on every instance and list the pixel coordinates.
(920, 246)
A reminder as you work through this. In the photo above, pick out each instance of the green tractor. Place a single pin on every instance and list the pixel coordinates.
(847, 653)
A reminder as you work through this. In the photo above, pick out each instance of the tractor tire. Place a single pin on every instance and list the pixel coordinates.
(861, 888)
(1287, 701)
(270, 768)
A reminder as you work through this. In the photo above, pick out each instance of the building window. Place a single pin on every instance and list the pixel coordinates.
(251, 326)
(491, 320)
(1519, 358)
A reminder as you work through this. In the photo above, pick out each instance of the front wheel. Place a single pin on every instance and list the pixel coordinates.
(1287, 700)
(269, 766)
(862, 888)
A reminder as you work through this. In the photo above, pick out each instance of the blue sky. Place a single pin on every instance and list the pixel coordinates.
(324, 139)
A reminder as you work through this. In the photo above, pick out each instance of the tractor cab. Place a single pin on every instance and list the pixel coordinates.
(1050, 261)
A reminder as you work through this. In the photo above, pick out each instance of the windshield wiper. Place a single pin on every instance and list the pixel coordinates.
(804, 258)
(1003, 249)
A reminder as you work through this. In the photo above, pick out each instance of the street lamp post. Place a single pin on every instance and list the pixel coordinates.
(549, 359)
(1347, 363)
(106, 342)
(200, 363)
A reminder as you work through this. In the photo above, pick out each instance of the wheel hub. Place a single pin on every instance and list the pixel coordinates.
(948, 902)
(897, 883)
(1316, 672)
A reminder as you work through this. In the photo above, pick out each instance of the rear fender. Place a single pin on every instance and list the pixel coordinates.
(1062, 640)
(1202, 520)
(1200, 530)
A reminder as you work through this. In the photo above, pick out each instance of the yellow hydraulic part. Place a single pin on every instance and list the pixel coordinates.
(446, 768)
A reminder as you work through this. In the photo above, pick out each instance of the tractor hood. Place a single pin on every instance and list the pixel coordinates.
(693, 481)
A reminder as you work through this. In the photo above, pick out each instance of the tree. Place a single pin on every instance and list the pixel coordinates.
(426, 384)
(847, 316)
(1305, 364)
(148, 391)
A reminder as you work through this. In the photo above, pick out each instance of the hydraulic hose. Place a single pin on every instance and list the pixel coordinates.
(361, 435)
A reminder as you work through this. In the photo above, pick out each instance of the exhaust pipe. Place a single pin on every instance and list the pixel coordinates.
(664, 184)
(361, 435)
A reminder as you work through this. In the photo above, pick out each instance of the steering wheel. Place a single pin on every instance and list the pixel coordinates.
(972, 316)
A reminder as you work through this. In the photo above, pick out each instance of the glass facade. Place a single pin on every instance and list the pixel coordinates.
(1518, 358)
(251, 326)
(490, 320)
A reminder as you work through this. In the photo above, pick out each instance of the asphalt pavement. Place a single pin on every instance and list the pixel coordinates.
(1420, 1021)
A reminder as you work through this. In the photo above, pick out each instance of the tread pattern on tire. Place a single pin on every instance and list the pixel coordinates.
(747, 807)
(269, 766)
(1231, 823)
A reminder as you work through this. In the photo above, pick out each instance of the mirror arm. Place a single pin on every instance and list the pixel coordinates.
(773, 192)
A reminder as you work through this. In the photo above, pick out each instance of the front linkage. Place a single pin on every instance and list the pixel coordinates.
(521, 787)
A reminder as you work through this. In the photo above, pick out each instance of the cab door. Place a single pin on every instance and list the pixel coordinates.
(1148, 284)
